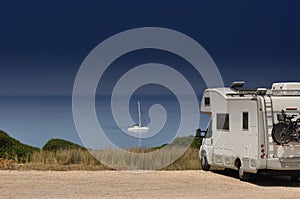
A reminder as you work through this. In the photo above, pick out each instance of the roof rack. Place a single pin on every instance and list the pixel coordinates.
(241, 91)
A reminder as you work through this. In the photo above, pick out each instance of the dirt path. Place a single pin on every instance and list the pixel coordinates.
(162, 184)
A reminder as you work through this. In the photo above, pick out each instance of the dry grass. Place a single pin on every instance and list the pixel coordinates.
(167, 158)
(134, 159)
(6, 164)
(73, 159)
(188, 161)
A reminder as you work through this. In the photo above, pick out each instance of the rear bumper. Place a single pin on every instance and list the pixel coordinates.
(283, 164)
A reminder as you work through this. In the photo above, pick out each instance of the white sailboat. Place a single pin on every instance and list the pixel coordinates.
(138, 128)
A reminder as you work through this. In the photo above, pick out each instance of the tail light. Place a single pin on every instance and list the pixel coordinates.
(262, 156)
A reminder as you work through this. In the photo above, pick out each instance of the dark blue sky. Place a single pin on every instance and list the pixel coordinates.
(43, 43)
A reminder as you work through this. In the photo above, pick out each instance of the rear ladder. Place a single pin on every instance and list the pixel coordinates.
(269, 122)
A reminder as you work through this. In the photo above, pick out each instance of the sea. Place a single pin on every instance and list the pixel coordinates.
(34, 120)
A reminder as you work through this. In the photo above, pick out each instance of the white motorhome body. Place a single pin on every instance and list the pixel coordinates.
(239, 135)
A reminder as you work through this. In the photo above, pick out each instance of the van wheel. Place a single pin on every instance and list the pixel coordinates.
(244, 176)
(204, 164)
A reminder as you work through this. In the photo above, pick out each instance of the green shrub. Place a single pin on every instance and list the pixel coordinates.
(196, 143)
(185, 141)
(11, 148)
(59, 144)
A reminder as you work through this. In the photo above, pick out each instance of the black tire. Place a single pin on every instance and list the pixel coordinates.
(280, 133)
(295, 179)
(204, 164)
(244, 176)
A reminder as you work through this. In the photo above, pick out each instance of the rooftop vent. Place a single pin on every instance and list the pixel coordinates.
(235, 85)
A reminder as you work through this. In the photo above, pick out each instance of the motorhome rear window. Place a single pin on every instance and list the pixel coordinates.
(207, 101)
(245, 121)
(223, 121)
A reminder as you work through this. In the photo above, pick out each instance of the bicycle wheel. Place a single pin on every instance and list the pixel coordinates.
(281, 134)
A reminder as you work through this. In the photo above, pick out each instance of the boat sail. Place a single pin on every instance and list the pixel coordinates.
(138, 128)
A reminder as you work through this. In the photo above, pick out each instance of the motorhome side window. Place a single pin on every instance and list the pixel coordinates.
(207, 101)
(245, 121)
(223, 121)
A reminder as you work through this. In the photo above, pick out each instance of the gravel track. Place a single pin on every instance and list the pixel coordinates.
(154, 184)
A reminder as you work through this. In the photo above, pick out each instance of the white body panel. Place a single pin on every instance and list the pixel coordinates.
(252, 143)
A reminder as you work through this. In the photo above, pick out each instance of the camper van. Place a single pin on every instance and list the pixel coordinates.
(240, 134)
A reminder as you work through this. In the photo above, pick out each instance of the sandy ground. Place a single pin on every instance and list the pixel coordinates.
(160, 184)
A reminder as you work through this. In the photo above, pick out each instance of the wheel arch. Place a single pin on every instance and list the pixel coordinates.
(237, 163)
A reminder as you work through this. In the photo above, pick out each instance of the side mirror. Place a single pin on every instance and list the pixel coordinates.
(200, 133)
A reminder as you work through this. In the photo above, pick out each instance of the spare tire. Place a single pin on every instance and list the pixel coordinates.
(281, 134)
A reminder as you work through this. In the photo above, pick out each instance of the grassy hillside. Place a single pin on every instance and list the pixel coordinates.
(59, 144)
(58, 154)
(184, 141)
(11, 148)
